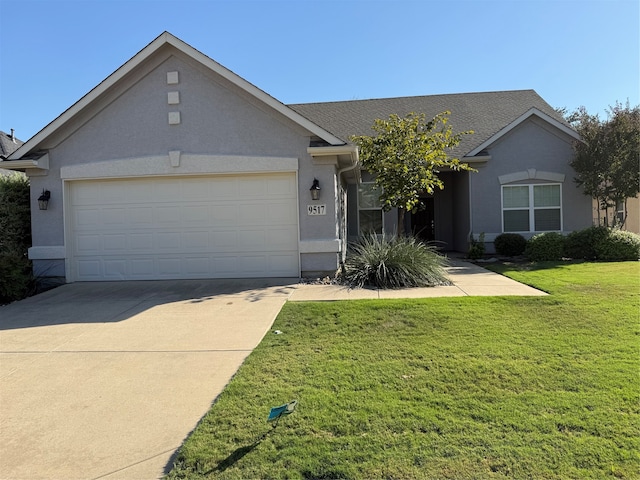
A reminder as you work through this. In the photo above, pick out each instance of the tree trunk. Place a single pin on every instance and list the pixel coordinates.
(401, 212)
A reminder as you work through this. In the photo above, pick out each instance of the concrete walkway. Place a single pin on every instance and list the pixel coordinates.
(468, 280)
(106, 380)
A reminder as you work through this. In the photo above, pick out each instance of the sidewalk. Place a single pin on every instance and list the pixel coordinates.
(468, 279)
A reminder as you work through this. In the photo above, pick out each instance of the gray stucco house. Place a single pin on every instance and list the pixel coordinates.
(175, 167)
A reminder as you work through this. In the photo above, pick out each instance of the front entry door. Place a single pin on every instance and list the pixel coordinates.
(423, 221)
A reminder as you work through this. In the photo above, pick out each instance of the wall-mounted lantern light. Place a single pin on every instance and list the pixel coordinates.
(315, 189)
(43, 200)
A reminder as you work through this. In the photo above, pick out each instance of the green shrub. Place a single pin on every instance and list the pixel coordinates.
(581, 244)
(393, 263)
(545, 246)
(618, 245)
(476, 247)
(15, 238)
(510, 244)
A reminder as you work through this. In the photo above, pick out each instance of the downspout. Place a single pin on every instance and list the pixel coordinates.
(358, 180)
(351, 167)
(470, 211)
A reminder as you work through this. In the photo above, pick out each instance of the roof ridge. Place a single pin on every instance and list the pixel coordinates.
(409, 97)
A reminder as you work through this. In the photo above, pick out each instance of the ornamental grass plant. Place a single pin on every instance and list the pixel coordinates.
(393, 262)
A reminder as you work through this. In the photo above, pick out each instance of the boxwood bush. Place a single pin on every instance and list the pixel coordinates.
(581, 244)
(510, 244)
(397, 262)
(618, 245)
(545, 246)
(16, 280)
(602, 243)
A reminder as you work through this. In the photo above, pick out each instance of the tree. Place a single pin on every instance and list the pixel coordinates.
(406, 156)
(607, 160)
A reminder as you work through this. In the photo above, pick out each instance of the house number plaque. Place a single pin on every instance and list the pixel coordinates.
(316, 209)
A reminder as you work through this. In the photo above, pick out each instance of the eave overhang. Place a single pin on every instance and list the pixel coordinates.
(32, 163)
(476, 159)
(347, 157)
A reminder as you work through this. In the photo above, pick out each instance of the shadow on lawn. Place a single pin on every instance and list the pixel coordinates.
(237, 455)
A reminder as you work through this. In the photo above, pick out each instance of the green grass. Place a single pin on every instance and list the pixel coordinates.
(461, 388)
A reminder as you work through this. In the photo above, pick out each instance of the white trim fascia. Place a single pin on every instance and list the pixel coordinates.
(333, 150)
(338, 151)
(190, 164)
(55, 252)
(320, 246)
(41, 163)
(518, 121)
(476, 159)
(168, 39)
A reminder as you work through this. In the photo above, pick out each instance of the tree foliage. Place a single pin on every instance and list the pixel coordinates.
(607, 160)
(406, 156)
(15, 238)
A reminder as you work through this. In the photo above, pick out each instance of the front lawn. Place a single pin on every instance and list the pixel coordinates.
(467, 387)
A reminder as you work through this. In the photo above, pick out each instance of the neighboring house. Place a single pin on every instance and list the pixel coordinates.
(8, 144)
(175, 167)
(631, 224)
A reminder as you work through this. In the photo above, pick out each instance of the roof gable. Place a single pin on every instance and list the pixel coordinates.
(521, 119)
(161, 41)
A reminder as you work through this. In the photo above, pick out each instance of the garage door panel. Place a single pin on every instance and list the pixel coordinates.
(166, 215)
(141, 268)
(196, 241)
(88, 244)
(202, 227)
(115, 268)
(252, 214)
(139, 241)
(169, 267)
(86, 218)
(113, 216)
(197, 266)
(89, 269)
(195, 215)
(116, 243)
(140, 216)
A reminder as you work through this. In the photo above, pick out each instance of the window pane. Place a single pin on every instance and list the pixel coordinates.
(516, 220)
(515, 197)
(370, 222)
(547, 219)
(546, 196)
(368, 196)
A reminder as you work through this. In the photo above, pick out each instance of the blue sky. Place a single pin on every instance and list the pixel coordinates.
(572, 52)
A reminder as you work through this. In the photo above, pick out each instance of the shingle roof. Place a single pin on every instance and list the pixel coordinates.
(8, 145)
(485, 113)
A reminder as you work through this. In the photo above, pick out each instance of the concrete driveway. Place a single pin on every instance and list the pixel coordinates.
(105, 380)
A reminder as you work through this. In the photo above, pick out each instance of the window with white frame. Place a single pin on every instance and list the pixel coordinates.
(532, 208)
(369, 209)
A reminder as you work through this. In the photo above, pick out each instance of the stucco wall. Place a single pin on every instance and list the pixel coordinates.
(532, 145)
(216, 118)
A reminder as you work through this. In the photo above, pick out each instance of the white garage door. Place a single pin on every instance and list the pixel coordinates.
(184, 227)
